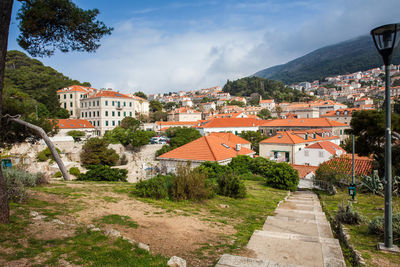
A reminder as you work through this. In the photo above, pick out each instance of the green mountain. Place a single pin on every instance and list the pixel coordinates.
(31, 77)
(346, 57)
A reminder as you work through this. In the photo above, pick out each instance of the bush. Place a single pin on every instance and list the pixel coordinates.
(45, 154)
(103, 173)
(189, 184)
(376, 226)
(158, 187)
(58, 174)
(334, 173)
(283, 176)
(77, 135)
(240, 164)
(213, 170)
(163, 149)
(252, 177)
(42, 178)
(74, 171)
(348, 215)
(261, 166)
(124, 160)
(95, 152)
(230, 185)
(17, 182)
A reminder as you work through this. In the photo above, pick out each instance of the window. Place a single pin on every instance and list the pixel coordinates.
(119, 122)
(113, 103)
(65, 105)
(98, 123)
(65, 96)
(113, 113)
(106, 123)
(130, 114)
(81, 105)
(98, 113)
(86, 114)
(85, 104)
(321, 154)
(71, 113)
(341, 132)
(130, 104)
(124, 114)
(70, 96)
(124, 104)
(83, 114)
(113, 123)
(119, 114)
(106, 113)
(90, 114)
(89, 104)
(70, 104)
(98, 103)
(106, 103)
(94, 103)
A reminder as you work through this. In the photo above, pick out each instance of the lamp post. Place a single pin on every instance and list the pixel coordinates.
(386, 39)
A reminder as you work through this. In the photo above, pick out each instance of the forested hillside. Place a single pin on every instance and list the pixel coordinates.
(40, 82)
(347, 57)
(268, 89)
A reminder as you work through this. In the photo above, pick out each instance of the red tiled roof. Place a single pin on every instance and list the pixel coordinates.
(293, 137)
(177, 123)
(232, 122)
(304, 170)
(310, 122)
(184, 110)
(230, 137)
(266, 101)
(73, 124)
(341, 111)
(328, 146)
(362, 165)
(76, 88)
(206, 148)
(108, 93)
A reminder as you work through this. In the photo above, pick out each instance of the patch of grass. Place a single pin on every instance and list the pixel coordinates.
(117, 219)
(110, 199)
(369, 205)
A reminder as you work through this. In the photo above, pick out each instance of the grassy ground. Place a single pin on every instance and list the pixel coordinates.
(368, 205)
(39, 243)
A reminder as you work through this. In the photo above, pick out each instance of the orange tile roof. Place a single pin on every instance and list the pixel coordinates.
(293, 137)
(328, 146)
(206, 148)
(76, 88)
(109, 93)
(304, 170)
(173, 123)
(73, 124)
(333, 113)
(310, 122)
(266, 101)
(184, 110)
(232, 122)
(362, 165)
(230, 137)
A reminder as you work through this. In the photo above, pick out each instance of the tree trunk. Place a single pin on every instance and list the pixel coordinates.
(48, 142)
(5, 17)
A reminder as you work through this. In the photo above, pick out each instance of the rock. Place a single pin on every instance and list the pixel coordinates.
(175, 261)
(90, 226)
(224, 206)
(112, 233)
(40, 217)
(95, 229)
(57, 221)
(129, 240)
(144, 246)
(34, 213)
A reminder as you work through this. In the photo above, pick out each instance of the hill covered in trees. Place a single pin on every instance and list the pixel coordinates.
(357, 54)
(268, 89)
(26, 75)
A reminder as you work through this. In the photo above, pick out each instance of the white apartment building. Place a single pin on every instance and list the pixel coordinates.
(267, 103)
(70, 98)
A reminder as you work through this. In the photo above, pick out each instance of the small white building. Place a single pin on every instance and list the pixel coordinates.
(268, 104)
(232, 125)
(317, 153)
(184, 114)
(66, 125)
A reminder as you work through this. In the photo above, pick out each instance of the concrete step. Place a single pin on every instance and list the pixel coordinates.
(295, 249)
(227, 260)
(299, 214)
(300, 206)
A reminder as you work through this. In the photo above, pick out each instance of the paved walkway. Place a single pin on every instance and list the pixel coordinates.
(297, 235)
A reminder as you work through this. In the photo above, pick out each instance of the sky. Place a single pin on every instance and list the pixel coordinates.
(162, 46)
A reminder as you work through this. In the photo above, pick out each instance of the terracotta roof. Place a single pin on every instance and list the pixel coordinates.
(206, 148)
(183, 110)
(76, 88)
(230, 137)
(304, 170)
(310, 122)
(293, 137)
(232, 123)
(328, 146)
(177, 123)
(266, 101)
(108, 93)
(341, 111)
(362, 165)
(73, 124)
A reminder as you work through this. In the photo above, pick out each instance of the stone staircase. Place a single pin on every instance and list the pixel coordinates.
(297, 235)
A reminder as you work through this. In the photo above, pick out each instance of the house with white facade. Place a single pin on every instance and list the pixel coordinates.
(66, 125)
(184, 114)
(232, 125)
(317, 153)
(71, 96)
(267, 103)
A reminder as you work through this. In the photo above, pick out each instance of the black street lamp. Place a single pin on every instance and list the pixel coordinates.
(386, 39)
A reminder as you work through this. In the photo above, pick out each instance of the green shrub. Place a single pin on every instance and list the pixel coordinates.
(58, 174)
(189, 184)
(241, 164)
(45, 154)
(95, 152)
(334, 173)
(124, 160)
(376, 226)
(252, 177)
(77, 135)
(213, 170)
(103, 173)
(348, 215)
(230, 185)
(74, 171)
(282, 176)
(261, 166)
(372, 184)
(17, 182)
(158, 187)
(163, 149)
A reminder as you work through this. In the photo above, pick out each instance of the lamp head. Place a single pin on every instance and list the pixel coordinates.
(386, 39)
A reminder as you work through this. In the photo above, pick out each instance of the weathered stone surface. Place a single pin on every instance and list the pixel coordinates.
(175, 261)
(95, 229)
(34, 213)
(57, 221)
(129, 240)
(224, 206)
(144, 246)
(90, 226)
(112, 232)
(40, 217)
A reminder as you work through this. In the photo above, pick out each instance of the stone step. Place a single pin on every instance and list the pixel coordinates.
(299, 214)
(227, 260)
(305, 227)
(300, 206)
(296, 249)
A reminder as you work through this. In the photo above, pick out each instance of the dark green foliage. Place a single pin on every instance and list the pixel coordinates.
(268, 89)
(171, 105)
(129, 123)
(230, 185)
(283, 176)
(376, 226)
(61, 25)
(62, 113)
(237, 103)
(74, 171)
(240, 164)
(58, 174)
(348, 215)
(254, 138)
(158, 187)
(95, 152)
(140, 138)
(189, 185)
(346, 57)
(372, 184)
(180, 136)
(77, 135)
(18, 182)
(164, 149)
(264, 114)
(334, 173)
(213, 170)
(45, 154)
(159, 116)
(155, 105)
(141, 94)
(123, 160)
(103, 173)
(261, 166)
(135, 138)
